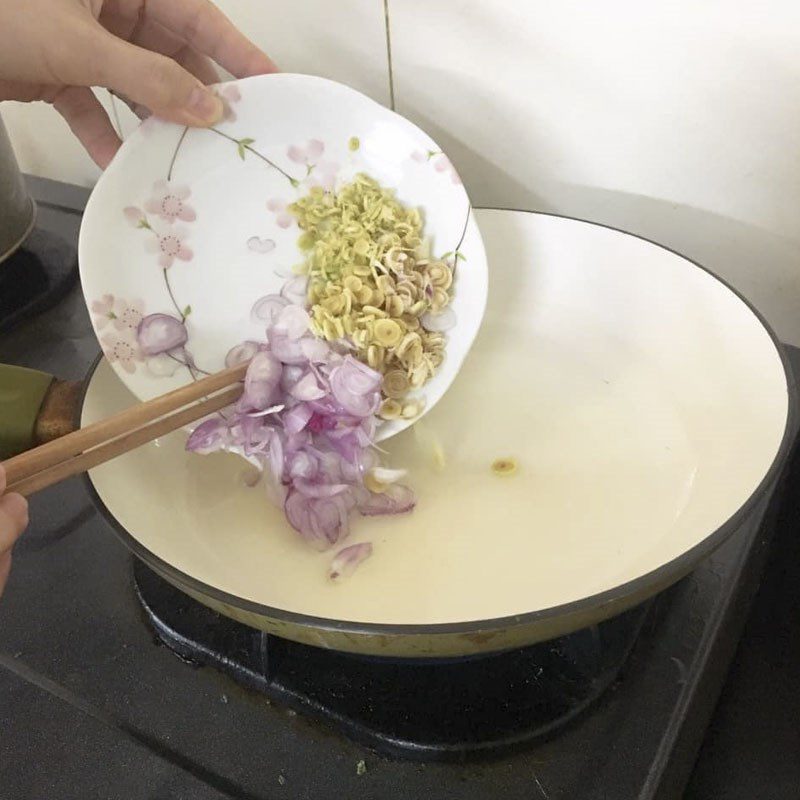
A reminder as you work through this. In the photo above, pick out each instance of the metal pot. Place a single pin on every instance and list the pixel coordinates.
(17, 209)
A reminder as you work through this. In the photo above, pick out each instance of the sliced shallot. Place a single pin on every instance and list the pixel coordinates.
(440, 321)
(307, 416)
(267, 308)
(346, 561)
(161, 333)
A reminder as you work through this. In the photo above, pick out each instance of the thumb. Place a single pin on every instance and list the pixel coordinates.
(13, 519)
(157, 82)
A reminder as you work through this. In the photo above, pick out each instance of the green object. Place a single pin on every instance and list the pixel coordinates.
(21, 394)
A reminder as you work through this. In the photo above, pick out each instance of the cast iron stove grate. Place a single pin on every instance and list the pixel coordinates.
(449, 710)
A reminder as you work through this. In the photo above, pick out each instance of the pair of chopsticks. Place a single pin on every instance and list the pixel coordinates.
(88, 447)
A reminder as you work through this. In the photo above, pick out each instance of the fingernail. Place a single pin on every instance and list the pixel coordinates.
(205, 105)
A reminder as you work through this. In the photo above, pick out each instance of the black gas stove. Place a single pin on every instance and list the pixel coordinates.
(95, 703)
(453, 709)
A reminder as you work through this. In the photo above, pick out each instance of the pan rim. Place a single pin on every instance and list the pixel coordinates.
(678, 566)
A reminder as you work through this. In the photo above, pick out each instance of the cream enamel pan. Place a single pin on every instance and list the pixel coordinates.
(647, 408)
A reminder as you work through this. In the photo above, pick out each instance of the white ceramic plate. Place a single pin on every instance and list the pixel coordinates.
(645, 404)
(193, 223)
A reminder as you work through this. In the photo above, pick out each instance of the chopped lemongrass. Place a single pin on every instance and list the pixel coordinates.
(430, 444)
(388, 475)
(504, 467)
(387, 332)
(413, 409)
(372, 281)
(390, 409)
(439, 460)
(395, 384)
(374, 485)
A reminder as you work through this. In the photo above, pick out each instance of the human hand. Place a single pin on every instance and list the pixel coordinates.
(153, 53)
(13, 520)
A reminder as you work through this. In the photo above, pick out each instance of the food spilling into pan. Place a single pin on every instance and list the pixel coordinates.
(349, 342)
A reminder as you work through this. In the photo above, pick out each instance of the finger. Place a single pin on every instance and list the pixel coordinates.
(153, 36)
(89, 122)
(136, 108)
(202, 25)
(19, 90)
(157, 82)
(13, 519)
(199, 65)
(5, 568)
(3, 483)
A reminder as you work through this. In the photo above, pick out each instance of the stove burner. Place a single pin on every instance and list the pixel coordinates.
(448, 710)
(35, 277)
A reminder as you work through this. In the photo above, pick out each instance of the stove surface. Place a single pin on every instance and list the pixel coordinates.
(453, 709)
(93, 705)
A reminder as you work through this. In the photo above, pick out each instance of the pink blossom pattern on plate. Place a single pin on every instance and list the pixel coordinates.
(308, 155)
(157, 340)
(318, 172)
(168, 202)
(123, 315)
(128, 315)
(441, 163)
(230, 95)
(260, 245)
(323, 174)
(121, 348)
(169, 246)
(103, 311)
(278, 207)
(136, 217)
(168, 243)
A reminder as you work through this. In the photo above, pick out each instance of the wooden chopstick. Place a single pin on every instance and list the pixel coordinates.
(46, 456)
(86, 448)
(128, 441)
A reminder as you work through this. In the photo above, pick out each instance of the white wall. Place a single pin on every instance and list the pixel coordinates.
(677, 120)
